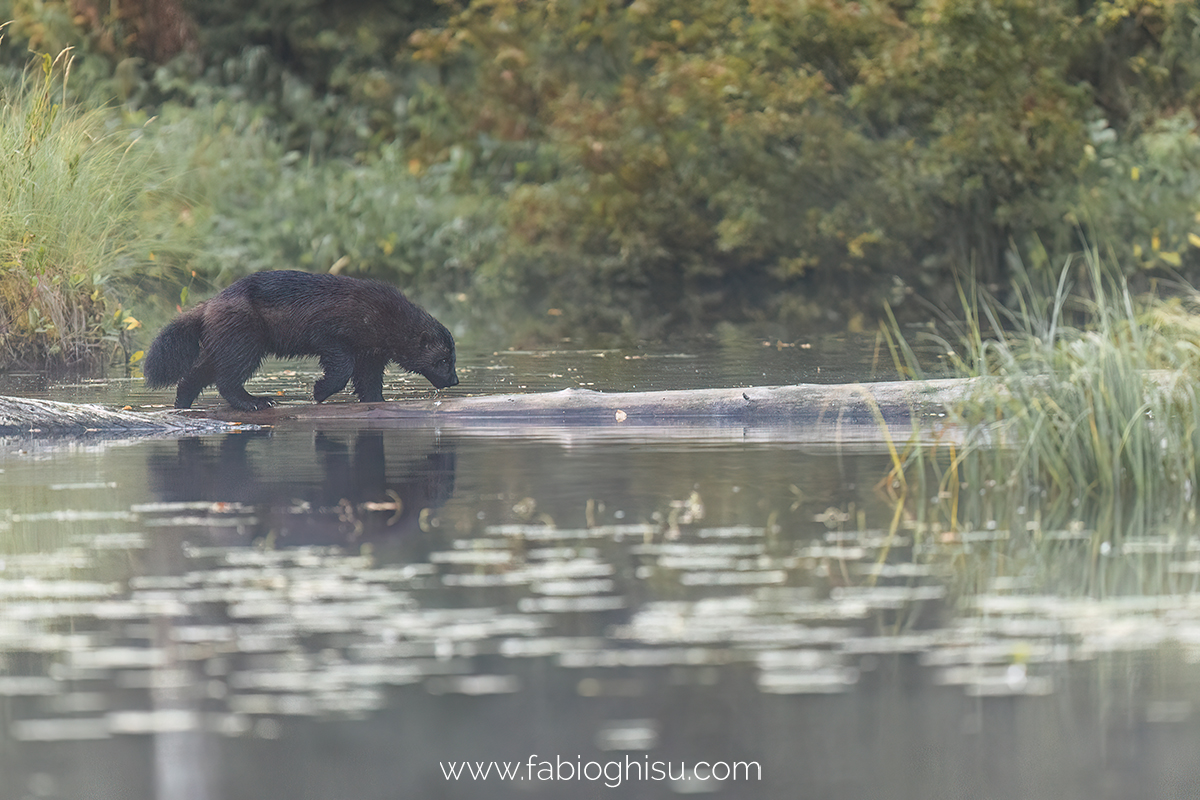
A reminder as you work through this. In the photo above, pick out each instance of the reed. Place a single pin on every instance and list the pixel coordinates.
(1086, 418)
(72, 196)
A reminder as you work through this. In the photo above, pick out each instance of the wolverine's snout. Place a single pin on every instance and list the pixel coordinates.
(443, 382)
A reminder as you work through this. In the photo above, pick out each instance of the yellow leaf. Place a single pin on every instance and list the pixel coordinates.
(1171, 258)
(1155, 242)
(131, 323)
(1194, 239)
(1134, 173)
(138, 356)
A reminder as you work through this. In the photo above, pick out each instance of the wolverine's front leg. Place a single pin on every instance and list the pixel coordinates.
(338, 366)
(368, 379)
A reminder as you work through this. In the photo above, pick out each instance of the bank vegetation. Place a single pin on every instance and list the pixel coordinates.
(603, 170)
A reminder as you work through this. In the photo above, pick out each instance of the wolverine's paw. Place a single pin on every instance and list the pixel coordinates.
(252, 403)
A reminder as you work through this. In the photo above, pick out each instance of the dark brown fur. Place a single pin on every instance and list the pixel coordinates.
(355, 327)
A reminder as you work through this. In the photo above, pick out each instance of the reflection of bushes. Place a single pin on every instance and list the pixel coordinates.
(71, 217)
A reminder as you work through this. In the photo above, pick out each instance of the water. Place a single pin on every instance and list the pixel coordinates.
(317, 612)
(733, 359)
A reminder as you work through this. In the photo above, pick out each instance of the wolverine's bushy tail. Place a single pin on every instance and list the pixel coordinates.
(174, 350)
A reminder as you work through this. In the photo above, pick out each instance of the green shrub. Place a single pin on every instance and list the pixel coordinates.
(1140, 194)
(724, 159)
(258, 206)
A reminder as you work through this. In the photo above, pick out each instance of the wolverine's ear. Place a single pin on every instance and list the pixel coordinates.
(425, 339)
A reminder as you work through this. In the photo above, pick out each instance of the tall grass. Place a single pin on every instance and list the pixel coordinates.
(72, 198)
(1087, 396)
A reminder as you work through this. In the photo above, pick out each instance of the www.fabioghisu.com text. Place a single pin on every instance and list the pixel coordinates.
(611, 773)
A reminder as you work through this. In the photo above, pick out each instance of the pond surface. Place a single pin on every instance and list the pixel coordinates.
(321, 612)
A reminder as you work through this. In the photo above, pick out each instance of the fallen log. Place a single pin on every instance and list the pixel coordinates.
(841, 414)
(25, 416)
(817, 413)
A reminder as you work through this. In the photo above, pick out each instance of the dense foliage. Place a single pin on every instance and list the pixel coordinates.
(590, 167)
(700, 147)
(739, 156)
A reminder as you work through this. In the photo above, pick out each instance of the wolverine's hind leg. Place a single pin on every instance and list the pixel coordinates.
(235, 368)
(191, 384)
(239, 398)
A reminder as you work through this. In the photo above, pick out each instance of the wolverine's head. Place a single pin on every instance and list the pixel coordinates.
(435, 357)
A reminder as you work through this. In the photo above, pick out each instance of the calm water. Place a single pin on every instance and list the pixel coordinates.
(330, 612)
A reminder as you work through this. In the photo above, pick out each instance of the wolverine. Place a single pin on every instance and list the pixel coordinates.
(355, 327)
